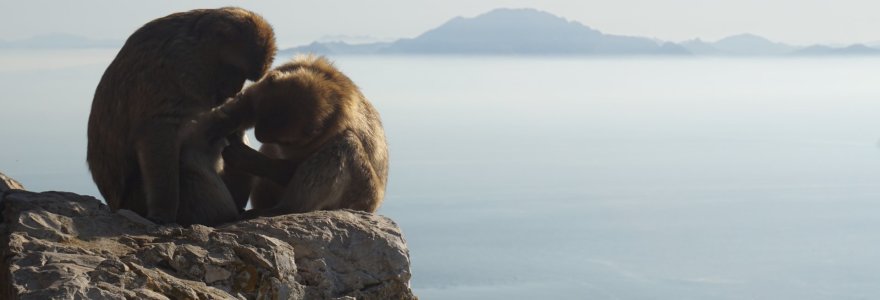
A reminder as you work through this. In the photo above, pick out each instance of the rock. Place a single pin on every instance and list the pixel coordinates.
(7, 183)
(60, 245)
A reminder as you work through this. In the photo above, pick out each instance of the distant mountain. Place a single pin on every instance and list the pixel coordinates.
(509, 31)
(336, 48)
(750, 44)
(352, 39)
(59, 40)
(533, 32)
(815, 50)
(700, 47)
(853, 50)
(524, 31)
(753, 45)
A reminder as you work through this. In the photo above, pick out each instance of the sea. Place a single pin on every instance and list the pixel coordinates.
(575, 177)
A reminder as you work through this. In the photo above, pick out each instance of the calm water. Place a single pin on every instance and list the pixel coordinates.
(542, 178)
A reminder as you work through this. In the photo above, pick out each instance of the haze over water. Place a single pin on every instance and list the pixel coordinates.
(590, 178)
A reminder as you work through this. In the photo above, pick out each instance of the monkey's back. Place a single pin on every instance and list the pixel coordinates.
(368, 194)
(125, 96)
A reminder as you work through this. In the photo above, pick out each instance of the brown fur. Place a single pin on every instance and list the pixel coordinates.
(168, 72)
(323, 143)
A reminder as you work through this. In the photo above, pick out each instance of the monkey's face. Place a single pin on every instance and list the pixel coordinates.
(289, 114)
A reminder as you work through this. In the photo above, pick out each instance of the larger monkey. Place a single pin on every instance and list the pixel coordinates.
(169, 71)
(323, 142)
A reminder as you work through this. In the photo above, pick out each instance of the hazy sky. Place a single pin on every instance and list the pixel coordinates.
(297, 22)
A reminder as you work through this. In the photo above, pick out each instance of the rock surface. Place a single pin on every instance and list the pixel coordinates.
(60, 245)
(7, 183)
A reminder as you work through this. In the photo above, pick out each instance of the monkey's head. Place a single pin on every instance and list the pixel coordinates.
(298, 107)
(239, 43)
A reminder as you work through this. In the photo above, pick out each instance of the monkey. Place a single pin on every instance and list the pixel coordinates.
(324, 146)
(143, 152)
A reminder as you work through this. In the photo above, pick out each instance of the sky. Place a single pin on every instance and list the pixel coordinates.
(801, 22)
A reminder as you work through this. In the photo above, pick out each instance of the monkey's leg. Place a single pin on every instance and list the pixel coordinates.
(158, 152)
(204, 198)
(239, 182)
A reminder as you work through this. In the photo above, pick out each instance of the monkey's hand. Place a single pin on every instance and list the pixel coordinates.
(232, 117)
(225, 121)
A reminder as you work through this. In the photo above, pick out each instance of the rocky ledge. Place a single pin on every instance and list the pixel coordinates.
(59, 245)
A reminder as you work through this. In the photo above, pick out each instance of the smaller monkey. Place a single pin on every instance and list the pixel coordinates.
(323, 146)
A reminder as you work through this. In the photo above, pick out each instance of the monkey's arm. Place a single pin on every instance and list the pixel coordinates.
(245, 158)
(158, 153)
(229, 119)
(322, 180)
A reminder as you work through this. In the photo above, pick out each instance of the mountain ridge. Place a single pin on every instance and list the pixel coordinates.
(520, 31)
(527, 31)
(851, 50)
(511, 31)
